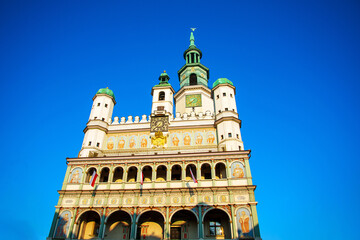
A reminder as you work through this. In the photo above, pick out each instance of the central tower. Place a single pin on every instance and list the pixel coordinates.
(194, 94)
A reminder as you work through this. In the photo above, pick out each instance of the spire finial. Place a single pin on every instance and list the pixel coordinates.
(192, 39)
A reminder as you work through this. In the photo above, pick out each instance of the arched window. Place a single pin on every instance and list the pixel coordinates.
(193, 79)
(118, 174)
(220, 171)
(161, 173)
(188, 173)
(89, 174)
(161, 96)
(132, 174)
(176, 172)
(205, 171)
(147, 171)
(104, 176)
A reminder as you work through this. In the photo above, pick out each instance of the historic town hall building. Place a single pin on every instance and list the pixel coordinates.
(179, 173)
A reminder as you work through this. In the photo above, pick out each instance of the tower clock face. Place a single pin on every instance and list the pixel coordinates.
(193, 100)
(159, 124)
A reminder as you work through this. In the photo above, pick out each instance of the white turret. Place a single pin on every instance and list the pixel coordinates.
(163, 96)
(99, 120)
(227, 119)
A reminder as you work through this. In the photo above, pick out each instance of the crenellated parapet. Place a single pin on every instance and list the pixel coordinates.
(178, 117)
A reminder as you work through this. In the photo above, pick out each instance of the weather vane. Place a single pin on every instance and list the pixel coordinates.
(193, 29)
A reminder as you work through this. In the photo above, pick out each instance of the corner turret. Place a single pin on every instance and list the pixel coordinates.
(226, 117)
(99, 120)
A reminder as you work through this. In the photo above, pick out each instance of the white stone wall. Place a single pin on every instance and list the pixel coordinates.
(206, 100)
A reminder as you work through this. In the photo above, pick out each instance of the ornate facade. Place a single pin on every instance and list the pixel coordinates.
(180, 174)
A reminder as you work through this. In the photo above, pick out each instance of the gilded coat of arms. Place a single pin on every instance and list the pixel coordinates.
(158, 140)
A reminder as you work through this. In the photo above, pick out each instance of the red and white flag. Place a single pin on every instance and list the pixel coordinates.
(142, 178)
(192, 175)
(93, 178)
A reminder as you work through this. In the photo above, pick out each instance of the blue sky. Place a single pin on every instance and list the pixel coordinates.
(295, 65)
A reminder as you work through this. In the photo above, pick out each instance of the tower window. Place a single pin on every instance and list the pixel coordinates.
(103, 119)
(95, 118)
(217, 96)
(222, 136)
(161, 96)
(237, 135)
(106, 105)
(98, 144)
(192, 58)
(229, 134)
(193, 79)
(226, 109)
(231, 95)
(98, 104)
(224, 94)
(219, 111)
(90, 143)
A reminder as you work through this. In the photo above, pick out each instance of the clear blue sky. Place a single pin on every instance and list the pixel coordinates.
(296, 67)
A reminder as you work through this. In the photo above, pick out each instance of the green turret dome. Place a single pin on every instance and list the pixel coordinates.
(222, 81)
(106, 91)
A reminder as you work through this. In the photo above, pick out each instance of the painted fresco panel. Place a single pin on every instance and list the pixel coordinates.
(63, 224)
(177, 138)
(237, 170)
(76, 175)
(244, 222)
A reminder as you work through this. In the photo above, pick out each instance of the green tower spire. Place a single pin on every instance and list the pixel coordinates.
(192, 40)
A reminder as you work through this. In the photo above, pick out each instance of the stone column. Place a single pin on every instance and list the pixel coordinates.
(233, 223)
(168, 174)
(83, 178)
(133, 226)
(255, 221)
(71, 227)
(198, 173)
(102, 224)
(248, 172)
(111, 175)
(167, 225)
(183, 174)
(66, 180)
(228, 171)
(200, 225)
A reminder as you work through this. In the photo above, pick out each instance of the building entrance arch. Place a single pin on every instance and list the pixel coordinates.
(150, 226)
(118, 226)
(217, 224)
(184, 225)
(88, 225)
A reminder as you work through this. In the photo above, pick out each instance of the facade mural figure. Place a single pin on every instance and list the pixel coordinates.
(199, 139)
(244, 222)
(175, 141)
(132, 142)
(63, 225)
(210, 139)
(143, 142)
(237, 171)
(121, 144)
(76, 175)
(187, 140)
(110, 144)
